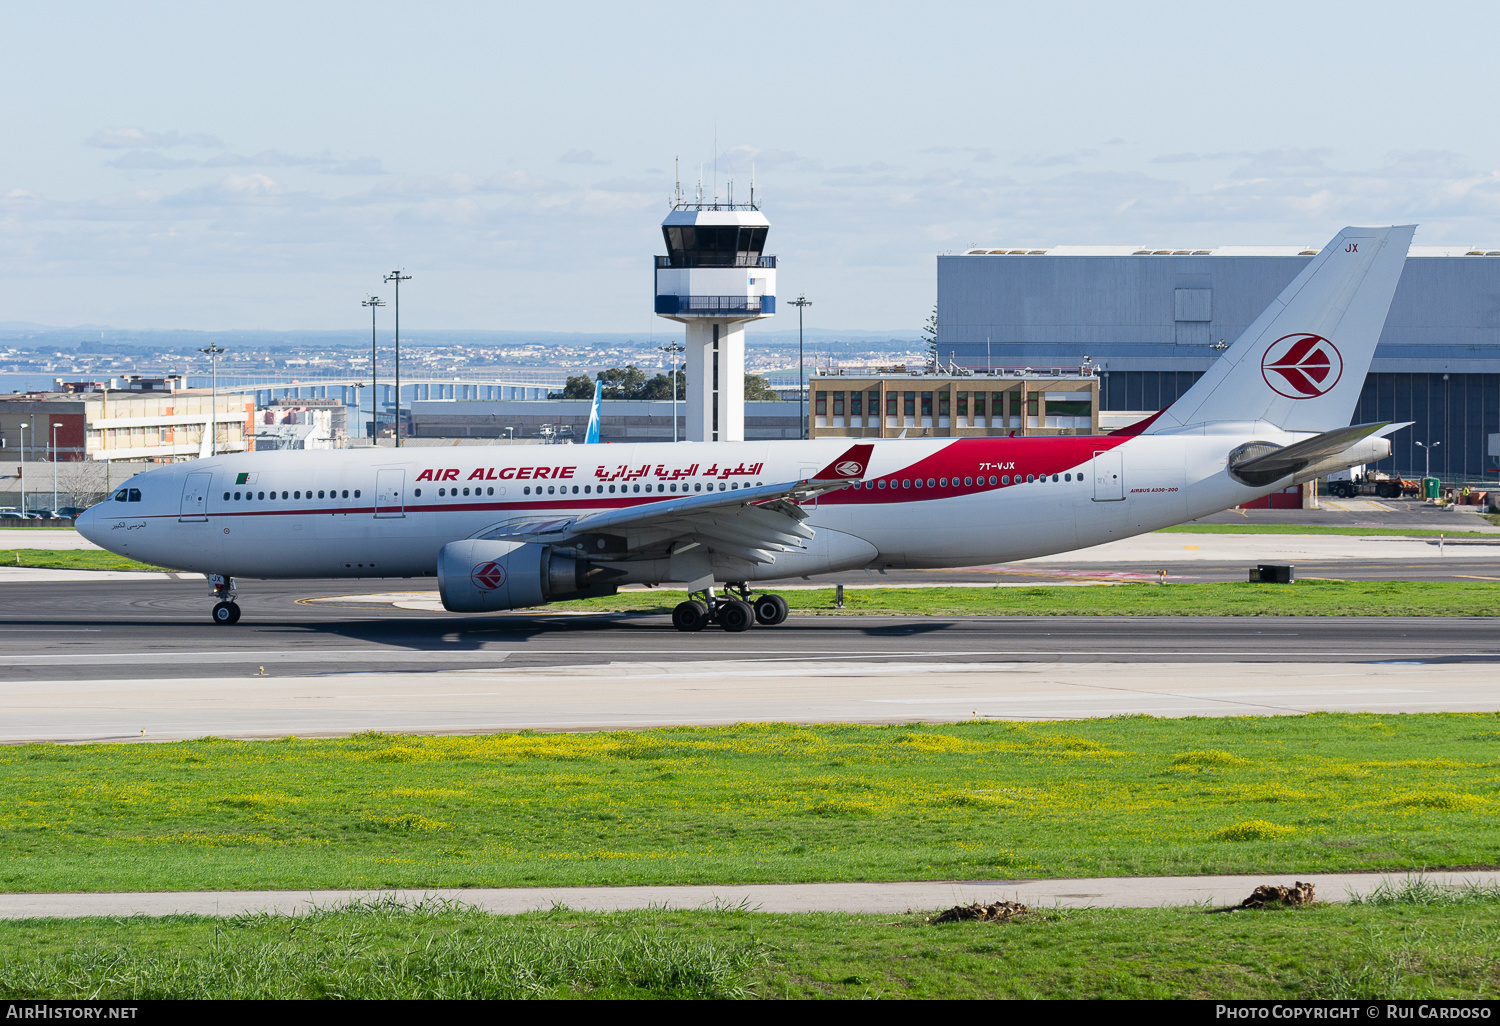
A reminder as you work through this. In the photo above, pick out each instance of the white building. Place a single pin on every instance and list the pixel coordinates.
(302, 424)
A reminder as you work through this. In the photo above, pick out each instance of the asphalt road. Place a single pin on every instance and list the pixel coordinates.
(160, 629)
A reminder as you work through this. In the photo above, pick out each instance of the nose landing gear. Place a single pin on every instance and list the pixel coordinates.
(226, 611)
(734, 614)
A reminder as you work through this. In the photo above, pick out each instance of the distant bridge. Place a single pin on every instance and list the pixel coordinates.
(352, 391)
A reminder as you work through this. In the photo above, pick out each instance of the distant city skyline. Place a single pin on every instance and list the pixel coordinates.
(182, 166)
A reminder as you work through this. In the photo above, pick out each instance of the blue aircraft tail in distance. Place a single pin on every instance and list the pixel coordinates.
(592, 438)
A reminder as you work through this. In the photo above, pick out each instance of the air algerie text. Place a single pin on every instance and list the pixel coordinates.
(661, 472)
(502, 474)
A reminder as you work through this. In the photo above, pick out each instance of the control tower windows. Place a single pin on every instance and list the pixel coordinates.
(714, 245)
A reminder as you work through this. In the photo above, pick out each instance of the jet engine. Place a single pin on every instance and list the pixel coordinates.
(478, 576)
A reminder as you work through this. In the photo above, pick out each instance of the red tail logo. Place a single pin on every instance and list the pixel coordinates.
(1302, 366)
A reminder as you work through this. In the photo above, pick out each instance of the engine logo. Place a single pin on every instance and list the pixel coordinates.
(488, 576)
(848, 468)
(1302, 366)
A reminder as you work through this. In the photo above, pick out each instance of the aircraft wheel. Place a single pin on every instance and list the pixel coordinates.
(736, 616)
(226, 613)
(770, 610)
(690, 616)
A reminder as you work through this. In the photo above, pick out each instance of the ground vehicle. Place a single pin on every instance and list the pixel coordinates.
(1385, 486)
(506, 528)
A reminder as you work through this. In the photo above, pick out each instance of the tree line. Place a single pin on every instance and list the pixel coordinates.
(630, 382)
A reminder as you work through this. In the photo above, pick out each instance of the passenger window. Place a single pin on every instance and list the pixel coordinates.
(262, 495)
(283, 495)
(320, 493)
(1054, 479)
(491, 491)
(356, 493)
(882, 482)
(226, 496)
(611, 489)
(931, 483)
(466, 491)
(551, 490)
(442, 491)
(575, 489)
(418, 493)
(346, 493)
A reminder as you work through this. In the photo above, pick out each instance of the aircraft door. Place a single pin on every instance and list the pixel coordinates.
(1109, 476)
(389, 484)
(195, 497)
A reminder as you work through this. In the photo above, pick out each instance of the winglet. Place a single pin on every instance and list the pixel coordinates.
(848, 467)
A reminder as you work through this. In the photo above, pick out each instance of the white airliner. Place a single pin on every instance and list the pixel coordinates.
(506, 527)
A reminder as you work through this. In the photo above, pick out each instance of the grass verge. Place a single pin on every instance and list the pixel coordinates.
(1305, 598)
(381, 949)
(757, 803)
(1388, 532)
(71, 559)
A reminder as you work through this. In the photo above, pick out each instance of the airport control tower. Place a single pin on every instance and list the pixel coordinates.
(714, 279)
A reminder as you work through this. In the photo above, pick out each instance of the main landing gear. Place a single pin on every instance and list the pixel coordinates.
(226, 610)
(734, 614)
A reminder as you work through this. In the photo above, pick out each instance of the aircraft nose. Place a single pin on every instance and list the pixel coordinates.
(87, 523)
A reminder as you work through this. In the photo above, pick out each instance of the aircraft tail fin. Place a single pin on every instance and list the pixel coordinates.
(1302, 364)
(592, 437)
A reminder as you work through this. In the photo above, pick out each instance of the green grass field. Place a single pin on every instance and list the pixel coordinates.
(70, 559)
(1304, 598)
(1388, 532)
(1411, 942)
(757, 803)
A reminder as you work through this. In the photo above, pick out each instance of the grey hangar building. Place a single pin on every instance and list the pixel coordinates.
(1149, 322)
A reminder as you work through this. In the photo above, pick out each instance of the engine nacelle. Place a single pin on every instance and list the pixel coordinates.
(478, 576)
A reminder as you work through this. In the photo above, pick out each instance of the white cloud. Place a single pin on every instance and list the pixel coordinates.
(134, 137)
(580, 157)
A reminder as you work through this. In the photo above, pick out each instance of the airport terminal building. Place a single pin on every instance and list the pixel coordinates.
(1151, 321)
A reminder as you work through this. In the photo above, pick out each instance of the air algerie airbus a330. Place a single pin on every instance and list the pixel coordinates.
(508, 527)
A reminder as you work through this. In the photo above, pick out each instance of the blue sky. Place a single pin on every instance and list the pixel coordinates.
(260, 166)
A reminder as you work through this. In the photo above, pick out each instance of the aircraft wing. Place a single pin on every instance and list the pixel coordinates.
(751, 523)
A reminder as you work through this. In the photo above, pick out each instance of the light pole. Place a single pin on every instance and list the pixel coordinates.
(372, 303)
(398, 278)
(1428, 450)
(801, 303)
(213, 350)
(55, 426)
(672, 351)
(24, 426)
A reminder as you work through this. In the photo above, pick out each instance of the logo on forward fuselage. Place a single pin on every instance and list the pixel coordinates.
(1302, 366)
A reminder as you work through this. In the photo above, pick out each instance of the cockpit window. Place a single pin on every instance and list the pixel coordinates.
(135, 495)
(122, 494)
